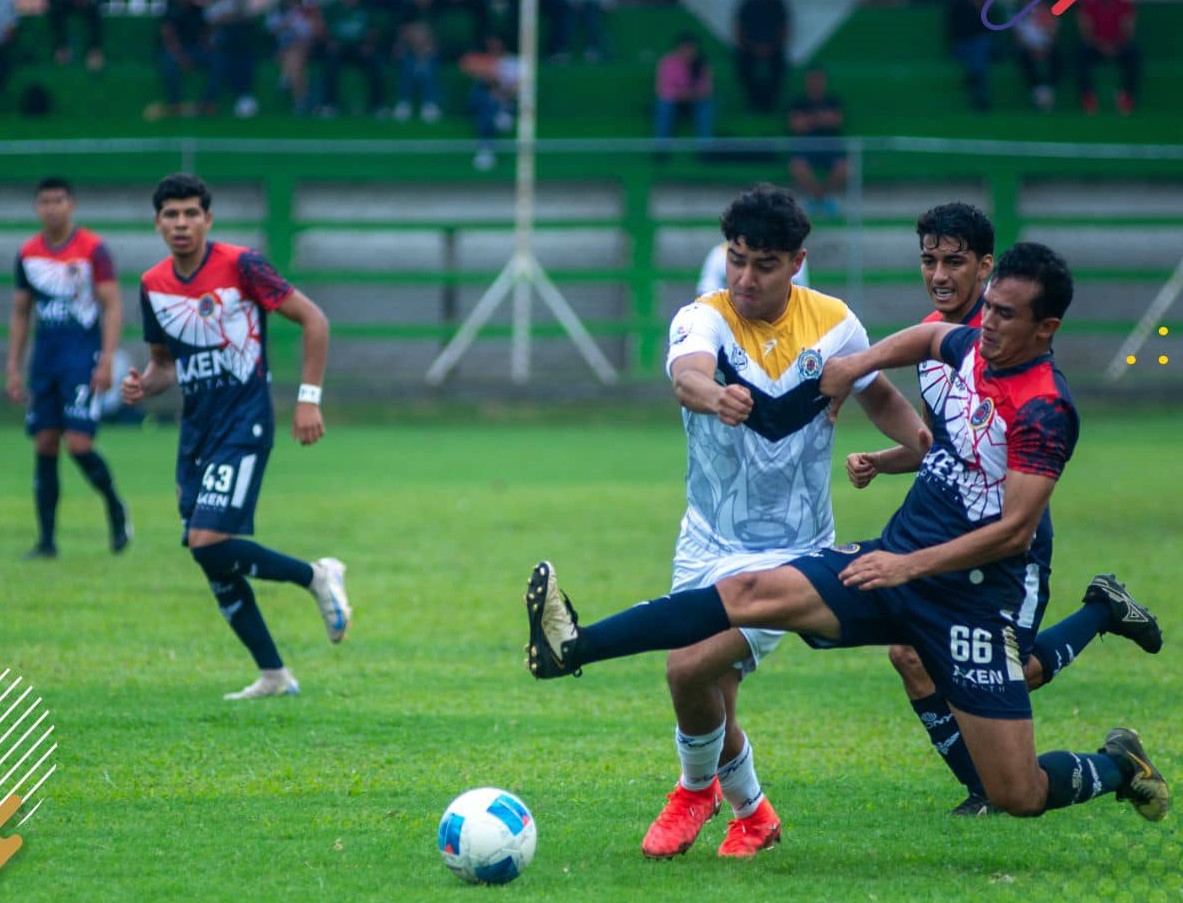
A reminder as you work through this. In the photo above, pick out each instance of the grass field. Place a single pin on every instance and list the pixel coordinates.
(165, 792)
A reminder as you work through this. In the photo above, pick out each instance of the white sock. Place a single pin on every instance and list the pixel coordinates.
(740, 785)
(700, 757)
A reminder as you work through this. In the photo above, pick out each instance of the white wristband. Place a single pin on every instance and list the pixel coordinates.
(308, 394)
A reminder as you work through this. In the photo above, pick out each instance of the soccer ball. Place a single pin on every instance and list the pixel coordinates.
(487, 836)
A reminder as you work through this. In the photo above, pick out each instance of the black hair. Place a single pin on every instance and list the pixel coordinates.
(1039, 264)
(963, 223)
(768, 218)
(179, 187)
(54, 183)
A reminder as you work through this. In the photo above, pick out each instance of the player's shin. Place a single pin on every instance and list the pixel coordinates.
(1078, 777)
(671, 622)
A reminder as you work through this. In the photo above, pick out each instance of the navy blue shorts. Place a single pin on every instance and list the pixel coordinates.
(970, 647)
(62, 400)
(219, 491)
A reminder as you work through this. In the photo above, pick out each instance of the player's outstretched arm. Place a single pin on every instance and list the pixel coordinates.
(18, 335)
(909, 346)
(696, 390)
(307, 423)
(1026, 498)
(160, 373)
(863, 467)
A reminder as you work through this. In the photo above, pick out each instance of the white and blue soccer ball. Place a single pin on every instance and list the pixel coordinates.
(487, 836)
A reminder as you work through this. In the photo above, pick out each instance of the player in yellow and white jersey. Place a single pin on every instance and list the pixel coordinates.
(745, 362)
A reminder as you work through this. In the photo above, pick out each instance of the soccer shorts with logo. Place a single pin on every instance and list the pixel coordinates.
(968, 643)
(62, 400)
(219, 490)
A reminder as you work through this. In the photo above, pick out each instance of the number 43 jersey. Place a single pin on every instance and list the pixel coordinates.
(214, 324)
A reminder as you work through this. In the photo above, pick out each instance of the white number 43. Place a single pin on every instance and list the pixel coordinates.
(218, 478)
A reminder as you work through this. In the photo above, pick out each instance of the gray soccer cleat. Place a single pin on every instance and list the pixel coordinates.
(270, 683)
(1127, 617)
(554, 626)
(328, 588)
(1145, 787)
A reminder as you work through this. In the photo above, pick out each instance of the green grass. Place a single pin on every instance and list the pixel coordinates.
(165, 792)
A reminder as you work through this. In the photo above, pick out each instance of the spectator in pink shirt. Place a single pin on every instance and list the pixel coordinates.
(685, 84)
(1107, 33)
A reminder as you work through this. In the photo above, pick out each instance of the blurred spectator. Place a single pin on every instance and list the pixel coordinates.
(819, 174)
(761, 37)
(1107, 33)
(351, 37)
(563, 15)
(232, 36)
(970, 41)
(418, 57)
(185, 47)
(295, 26)
(479, 12)
(1039, 55)
(685, 84)
(88, 11)
(493, 98)
(8, 27)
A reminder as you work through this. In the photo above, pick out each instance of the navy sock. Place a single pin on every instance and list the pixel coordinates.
(46, 491)
(673, 621)
(241, 556)
(236, 600)
(1078, 777)
(95, 469)
(945, 735)
(1057, 646)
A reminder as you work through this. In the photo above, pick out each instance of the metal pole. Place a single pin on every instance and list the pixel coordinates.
(524, 195)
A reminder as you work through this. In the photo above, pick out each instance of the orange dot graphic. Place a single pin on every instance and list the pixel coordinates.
(1162, 330)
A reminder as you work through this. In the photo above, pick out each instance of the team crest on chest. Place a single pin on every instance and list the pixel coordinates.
(982, 414)
(738, 357)
(809, 363)
(205, 305)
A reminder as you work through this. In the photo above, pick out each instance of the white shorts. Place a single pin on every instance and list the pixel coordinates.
(692, 572)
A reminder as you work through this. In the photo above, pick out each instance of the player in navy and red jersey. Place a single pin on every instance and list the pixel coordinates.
(65, 273)
(947, 576)
(205, 313)
(956, 257)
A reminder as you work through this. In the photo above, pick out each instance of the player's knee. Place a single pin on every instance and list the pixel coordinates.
(216, 561)
(1016, 801)
(740, 592)
(684, 670)
(79, 444)
(905, 660)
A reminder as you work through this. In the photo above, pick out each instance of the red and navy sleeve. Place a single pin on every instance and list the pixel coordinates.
(955, 346)
(1043, 436)
(153, 334)
(22, 278)
(261, 282)
(102, 264)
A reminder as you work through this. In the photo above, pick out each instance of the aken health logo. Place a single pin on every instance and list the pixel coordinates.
(1058, 9)
(26, 748)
